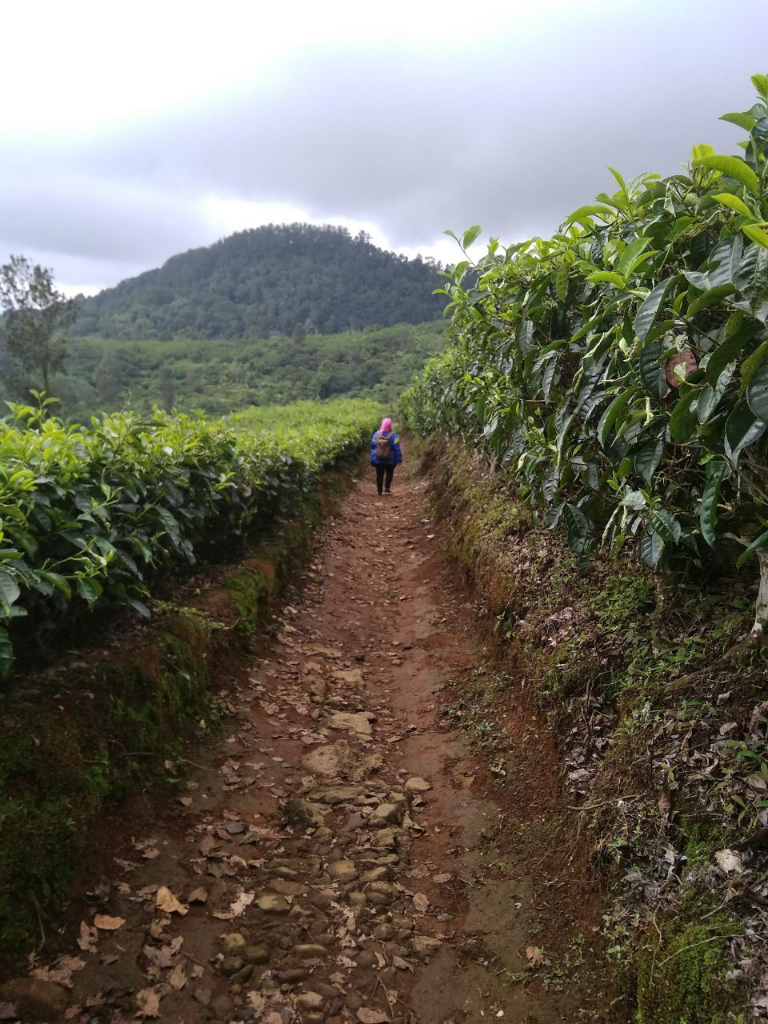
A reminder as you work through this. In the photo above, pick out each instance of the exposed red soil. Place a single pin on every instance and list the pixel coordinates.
(332, 885)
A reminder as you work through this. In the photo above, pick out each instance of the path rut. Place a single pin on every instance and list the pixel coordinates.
(330, 859)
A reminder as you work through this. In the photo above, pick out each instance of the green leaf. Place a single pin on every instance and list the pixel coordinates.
(708, 508)
(734, 167)
(57, 581)
(608, 276)
(751, 276)
(89, 589)
(665, 525)
(710, 298)
(612, 413)
(170, 524)
(577, 528)
(710, 397)
(140, 607)
(760, 82)
(6, 654)
(561, 282)
(629, 257)
(648, 457)
(619, 178)
(590, 211)
(651, 549)
(9, 591)
(742, 428)
(728, 350)
(735, 203)
(757, 391)
(756, 234)
(745, 121)
(682, 421)
(758, 542)
(650, 307)
(470, 235)
(651, 372)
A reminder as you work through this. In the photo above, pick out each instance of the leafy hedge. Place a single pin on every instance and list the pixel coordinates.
(621, 366)
(90, 516)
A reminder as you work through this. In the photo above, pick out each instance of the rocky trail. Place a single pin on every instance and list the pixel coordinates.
(339, 854)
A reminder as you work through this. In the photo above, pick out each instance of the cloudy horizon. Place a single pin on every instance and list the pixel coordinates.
(132, 141)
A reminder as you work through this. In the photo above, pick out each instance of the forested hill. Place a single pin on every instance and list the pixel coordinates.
(277, 278)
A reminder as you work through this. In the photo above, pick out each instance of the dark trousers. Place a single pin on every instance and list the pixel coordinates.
(384, 476)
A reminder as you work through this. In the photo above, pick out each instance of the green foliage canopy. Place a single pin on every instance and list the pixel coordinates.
(89, 517)
(620, 368)
(229, 375)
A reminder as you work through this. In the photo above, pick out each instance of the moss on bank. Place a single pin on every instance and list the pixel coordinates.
(83, 736)
(635, 675)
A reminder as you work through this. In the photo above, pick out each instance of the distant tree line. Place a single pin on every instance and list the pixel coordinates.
(109, 374)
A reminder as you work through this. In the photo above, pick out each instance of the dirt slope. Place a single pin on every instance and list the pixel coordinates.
(341, 855)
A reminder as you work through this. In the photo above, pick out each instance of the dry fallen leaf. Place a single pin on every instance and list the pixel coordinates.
(165, 900)
(148, 1003)
(401, 964)
(420, 902)
(177, 977)
(368, 1016)
(535, 957)
(105, 923)
(61, 972)
(198, 896)
(88, 938)
(257, 1002)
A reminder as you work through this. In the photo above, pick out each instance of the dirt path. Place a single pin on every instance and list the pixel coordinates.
(332, 859)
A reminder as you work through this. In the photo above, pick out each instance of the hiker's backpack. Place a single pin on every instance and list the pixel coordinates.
(383, 447)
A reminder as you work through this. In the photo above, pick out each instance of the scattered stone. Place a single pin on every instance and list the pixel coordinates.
(223, 1006)
(309, 950)
(232, 943)
(310, 1001)
(287, 888)
(359, 723)
(423, 946)
(350, 677)
(342, 870)
(257, 954)
(366, 958)
(385, 838)
(293, 976)
(336, 794)
(273, 903)
(383, 932)
(231, 965)
(418, 785)
(301, 814)
(386, 814)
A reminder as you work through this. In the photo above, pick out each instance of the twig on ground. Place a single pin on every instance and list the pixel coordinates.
(602, 803)
(693, 945)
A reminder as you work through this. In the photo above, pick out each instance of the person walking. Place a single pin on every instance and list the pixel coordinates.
(385, 455)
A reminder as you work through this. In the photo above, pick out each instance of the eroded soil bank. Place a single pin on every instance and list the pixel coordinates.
(341, 854)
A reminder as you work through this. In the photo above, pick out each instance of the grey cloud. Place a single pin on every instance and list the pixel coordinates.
(512, 135)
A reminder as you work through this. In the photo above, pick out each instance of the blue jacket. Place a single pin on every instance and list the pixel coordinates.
(395, 458)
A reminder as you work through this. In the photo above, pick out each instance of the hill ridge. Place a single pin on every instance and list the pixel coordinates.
(276, 278)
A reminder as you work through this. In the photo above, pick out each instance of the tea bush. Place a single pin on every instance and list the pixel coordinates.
(620, 368)
(89, 516)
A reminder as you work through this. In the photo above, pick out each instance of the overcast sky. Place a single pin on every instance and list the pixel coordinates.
(130, 132)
